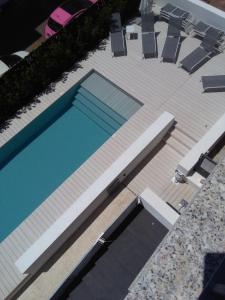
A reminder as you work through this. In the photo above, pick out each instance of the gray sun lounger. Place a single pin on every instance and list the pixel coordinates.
(170, 10)
(118, 45)
(149, 43)
(201, 28)
(149, 47)
(115, 23)
(214, 83)
(147, 23)
(203, 53)
(167, 10)
(195, 59)
(173, 39)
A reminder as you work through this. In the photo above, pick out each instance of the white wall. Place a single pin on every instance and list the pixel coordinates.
(159, 208)
(211, 137)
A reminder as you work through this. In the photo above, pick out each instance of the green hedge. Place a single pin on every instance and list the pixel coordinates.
(46, 64)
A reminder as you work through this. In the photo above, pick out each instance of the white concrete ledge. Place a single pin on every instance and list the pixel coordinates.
(187, 164)
(159, 208)
(73, 217)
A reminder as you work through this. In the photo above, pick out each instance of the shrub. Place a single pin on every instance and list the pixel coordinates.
(46, 64)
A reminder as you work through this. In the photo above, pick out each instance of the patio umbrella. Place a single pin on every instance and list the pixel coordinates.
(145, 7)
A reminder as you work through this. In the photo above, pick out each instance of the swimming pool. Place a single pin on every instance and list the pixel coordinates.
(36, 161)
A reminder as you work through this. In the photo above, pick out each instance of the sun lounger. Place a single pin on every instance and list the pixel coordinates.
(147, 23)
(149, 47)
(115, 23)
(213, 37)
(172, 43)
(202, 29)
(118, 45)
(167, 10)
(149, 43)
(170, 10)
(203, 53)
(195, 59)
(214, 83)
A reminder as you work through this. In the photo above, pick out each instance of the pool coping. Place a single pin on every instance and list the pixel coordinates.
(53, 238)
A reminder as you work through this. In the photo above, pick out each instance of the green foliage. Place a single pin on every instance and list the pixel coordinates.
(46, 64)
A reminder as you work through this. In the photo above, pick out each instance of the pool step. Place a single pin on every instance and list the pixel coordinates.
(108, 110)
(111, 95)
(101, 123)
(97, 111)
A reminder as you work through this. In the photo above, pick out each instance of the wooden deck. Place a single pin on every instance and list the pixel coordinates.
(161, 87)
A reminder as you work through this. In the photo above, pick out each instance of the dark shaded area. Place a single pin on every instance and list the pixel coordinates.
(73, 7)
(214, 274)
(18, 21)
(11, 60)
(60, 53)
(119, 260)
(217, 147)
(54, 25)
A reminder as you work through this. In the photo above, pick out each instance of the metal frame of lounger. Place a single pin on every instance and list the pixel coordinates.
(215, 83)
(190, 63)
(118, 45)
(173, 39)
(149, 42)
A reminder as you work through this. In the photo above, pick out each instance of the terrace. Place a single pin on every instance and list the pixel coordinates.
(160, 87)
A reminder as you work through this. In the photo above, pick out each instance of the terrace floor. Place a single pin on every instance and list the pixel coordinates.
(160, 87)
(113, 272)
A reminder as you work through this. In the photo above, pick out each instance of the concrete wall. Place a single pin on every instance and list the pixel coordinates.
(187, 164)
(200, 10)
(159, 208)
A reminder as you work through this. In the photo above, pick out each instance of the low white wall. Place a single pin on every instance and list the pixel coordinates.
(187, 164)
(72, 218)
(200, 10)
(159, 208)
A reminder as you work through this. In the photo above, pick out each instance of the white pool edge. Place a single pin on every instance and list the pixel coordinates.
(53, 238)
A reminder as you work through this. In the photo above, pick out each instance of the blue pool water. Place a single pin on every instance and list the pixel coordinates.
(74, 129)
